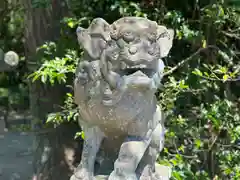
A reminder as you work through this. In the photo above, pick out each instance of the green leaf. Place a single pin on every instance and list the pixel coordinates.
(225, 77)
(182, 84)
(51, 117)
(44, 78)
(165, 150)
(206, 74)
(78, 134)
(35, 77)
(69, 94)
(176, 175)
(204, 43)
(221, 11)
(70, 24)
(197, 72)
(198, 143)
(182, 148)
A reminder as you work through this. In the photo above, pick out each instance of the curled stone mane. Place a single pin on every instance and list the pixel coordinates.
(114, 88)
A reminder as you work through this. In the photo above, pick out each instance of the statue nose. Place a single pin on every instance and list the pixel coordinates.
(132, 50)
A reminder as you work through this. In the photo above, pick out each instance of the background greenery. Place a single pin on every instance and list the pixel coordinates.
(200, 94)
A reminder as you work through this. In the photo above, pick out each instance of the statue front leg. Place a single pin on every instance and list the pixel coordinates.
(146, 167)
(92, 142)
(130, 154)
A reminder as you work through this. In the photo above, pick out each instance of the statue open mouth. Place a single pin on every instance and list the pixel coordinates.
(141, 76)
(137, 76)
(140, 70)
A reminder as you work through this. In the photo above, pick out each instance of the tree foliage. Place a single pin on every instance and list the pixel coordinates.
(13, 90)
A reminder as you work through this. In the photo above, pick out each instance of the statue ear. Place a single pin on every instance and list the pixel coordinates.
(165, 40)
(93, 40)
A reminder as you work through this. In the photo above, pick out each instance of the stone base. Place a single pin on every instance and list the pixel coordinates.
(162, 173)
(101, 177)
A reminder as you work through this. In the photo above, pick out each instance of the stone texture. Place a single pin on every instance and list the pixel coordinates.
(162, 173)
(16, 155)
(115, 89)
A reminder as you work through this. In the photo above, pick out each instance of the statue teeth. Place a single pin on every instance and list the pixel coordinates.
(139, 66)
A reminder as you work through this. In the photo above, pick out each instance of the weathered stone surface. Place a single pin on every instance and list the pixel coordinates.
(162, 173)
(115, 89)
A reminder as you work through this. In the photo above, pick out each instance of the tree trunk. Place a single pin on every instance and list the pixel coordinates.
(55, 148)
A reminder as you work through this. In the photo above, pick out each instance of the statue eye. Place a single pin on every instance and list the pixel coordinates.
(128, 36)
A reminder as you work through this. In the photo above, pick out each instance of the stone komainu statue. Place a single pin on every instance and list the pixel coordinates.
(115, 89)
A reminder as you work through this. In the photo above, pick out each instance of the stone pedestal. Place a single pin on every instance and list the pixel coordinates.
(162, 173)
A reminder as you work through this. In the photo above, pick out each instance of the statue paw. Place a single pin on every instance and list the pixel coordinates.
(73, 177)
(82, 174)
(127, 176)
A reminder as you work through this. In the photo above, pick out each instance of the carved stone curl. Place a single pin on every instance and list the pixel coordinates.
(115, 89)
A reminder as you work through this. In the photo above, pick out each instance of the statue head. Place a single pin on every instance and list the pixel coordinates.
(129, 50)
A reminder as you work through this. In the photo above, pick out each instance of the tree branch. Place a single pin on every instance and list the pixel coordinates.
(188, 59)
(231, 35)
